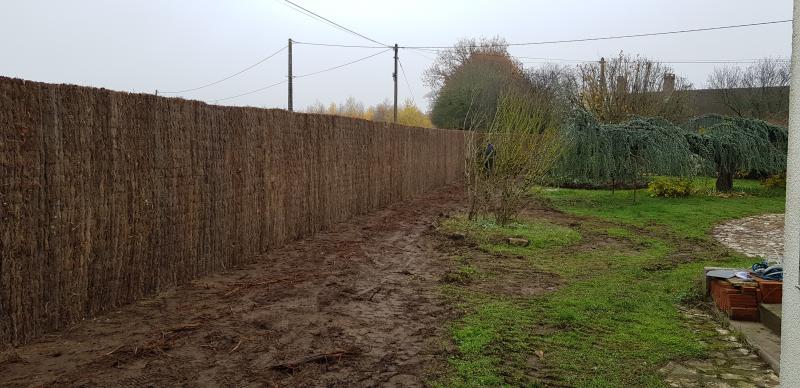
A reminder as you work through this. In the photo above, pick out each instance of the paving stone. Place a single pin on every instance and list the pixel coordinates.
(734, 367)
(731, 376)
(757, 236)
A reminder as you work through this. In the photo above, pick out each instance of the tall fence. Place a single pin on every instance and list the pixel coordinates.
(106, 197)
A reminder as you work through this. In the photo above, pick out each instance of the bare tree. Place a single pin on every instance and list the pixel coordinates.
(625, 86)
(767, 73)
(759, 90)
(317, 107)
(726, 80)
(448, 61)
(559, 83)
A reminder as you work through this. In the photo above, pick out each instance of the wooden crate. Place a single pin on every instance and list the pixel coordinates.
(739, 300)
(769, 291)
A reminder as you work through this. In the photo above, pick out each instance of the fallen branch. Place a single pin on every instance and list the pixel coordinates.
(184, 327)
(322, 358)
(243, 286)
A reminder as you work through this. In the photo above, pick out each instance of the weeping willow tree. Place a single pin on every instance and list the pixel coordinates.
(623, 153)
(731, 144)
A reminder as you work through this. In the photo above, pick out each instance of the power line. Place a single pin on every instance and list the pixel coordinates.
(611, 37)
(680, 61)
(691, 61)
(342, 65)
(252, 91)
(335, 24)
(230, 76)
(420, 53)
(299, 76)
(338, 45)
(402, 70)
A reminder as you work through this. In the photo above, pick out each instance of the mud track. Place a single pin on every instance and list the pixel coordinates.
(355, 306)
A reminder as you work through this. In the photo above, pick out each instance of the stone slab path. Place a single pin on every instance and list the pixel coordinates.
(757, 236)
(729, 363)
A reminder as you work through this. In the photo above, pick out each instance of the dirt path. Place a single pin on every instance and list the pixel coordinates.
(355, 306)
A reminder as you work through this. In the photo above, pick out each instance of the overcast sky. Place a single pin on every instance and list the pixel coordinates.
(167, 45)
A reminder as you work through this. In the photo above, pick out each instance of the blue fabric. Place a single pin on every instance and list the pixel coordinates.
(764, 271)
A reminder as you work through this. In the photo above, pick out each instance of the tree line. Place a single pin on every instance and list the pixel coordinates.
(616, 121)
(407, 113)
(466, 81)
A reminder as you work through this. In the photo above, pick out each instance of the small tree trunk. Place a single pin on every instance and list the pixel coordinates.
(725, 178)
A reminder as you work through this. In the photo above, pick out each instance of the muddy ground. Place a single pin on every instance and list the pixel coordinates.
(354, 306)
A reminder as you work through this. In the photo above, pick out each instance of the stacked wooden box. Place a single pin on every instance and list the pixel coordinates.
(737, 298)
(740, 298)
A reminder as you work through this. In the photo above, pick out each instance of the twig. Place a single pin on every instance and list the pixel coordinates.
(317, 358)
(236, 347)
(184, 327)
(373, 294)
(115, 349)
(242, 286)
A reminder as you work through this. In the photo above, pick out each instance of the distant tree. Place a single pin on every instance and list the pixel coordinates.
(449, 61)
(560, 86)
(352, 108)
(623, 87)
(407, 114)
(317, 107)
(381, 112)
(469, 96)
(754, 91)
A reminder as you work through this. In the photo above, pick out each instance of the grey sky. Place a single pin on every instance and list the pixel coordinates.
(172, 45)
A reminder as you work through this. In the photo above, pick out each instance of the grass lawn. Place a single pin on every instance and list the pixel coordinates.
(618, 268)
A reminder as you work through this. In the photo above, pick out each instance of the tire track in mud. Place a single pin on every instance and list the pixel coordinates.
(354, 306)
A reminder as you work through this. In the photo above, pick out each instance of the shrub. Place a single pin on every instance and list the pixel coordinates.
(513, 155)
(669, 187)
(774, 181)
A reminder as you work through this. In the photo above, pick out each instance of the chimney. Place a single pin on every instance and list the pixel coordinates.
(669, 83)
(603, 74)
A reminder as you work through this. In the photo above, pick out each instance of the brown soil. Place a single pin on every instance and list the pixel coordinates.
(354, 306)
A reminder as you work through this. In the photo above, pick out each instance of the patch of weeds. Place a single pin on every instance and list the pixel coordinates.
(618, 232)
(462, 275)
(493, 343)
(493, 237)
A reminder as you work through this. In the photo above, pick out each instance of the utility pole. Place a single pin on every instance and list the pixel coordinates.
(289, 105)
(394, 75)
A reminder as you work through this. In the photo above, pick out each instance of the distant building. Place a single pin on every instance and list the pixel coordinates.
(769, 103)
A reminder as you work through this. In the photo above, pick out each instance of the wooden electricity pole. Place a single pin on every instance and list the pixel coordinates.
(394, 75)
(289, 105)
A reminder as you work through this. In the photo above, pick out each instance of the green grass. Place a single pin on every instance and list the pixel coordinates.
(688, 217)
(613, 322)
